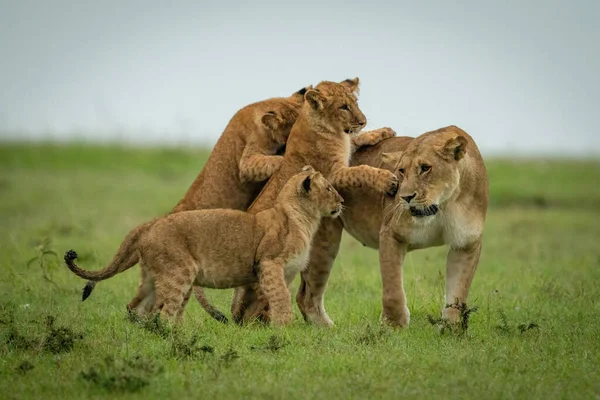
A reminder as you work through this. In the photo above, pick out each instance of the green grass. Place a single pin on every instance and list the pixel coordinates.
(540, 267)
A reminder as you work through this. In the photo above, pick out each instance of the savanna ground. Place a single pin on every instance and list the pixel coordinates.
(535, 333)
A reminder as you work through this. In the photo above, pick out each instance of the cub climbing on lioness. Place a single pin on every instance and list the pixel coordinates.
(322, 137)
(226, 248)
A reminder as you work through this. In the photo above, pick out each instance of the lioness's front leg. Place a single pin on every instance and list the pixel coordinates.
(272, 283)
(460, 269)
(391, 259)
(373, 137)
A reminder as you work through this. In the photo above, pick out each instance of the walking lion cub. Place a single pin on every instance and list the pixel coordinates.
(224, 248)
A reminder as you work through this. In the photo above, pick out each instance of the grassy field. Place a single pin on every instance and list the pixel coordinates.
(535, 334)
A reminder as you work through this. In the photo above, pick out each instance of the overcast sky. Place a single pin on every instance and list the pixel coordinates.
(519, 76)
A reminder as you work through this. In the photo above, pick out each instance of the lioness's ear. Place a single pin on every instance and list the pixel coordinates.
(306, 184)
(314, 98)
(351, 84)
(454, 148)
(391, 158)
(271, 120)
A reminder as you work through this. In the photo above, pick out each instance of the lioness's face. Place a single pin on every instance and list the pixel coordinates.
(334, 106)
(428, 172)
(278, 115)
(319, 191)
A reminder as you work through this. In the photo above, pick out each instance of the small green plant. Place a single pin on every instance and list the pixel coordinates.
(121, 375)
(189, 349)
(59, 339)
(46, 258)
(24, 367)
(274, 343)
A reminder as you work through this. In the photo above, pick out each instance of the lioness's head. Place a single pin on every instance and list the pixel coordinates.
(428, 171)
(311, 191)
(333, 107)
(276, 116)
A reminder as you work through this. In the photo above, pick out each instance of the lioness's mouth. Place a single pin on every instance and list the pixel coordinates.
(424, 212)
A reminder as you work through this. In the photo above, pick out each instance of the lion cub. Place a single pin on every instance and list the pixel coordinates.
(224, 248)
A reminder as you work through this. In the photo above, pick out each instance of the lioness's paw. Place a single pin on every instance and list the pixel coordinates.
(401, 320)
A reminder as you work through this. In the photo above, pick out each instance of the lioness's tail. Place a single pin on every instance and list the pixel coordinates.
(209, 308)
(127, 256)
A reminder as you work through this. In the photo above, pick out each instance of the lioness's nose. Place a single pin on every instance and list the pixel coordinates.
(409, 198)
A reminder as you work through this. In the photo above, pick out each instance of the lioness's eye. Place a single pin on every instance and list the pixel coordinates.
(425, 168)
(345, 107)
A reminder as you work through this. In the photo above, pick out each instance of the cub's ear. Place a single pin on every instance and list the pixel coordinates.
(314, 98)
(303, 91)
(454, 148)
(271, 120)
(391, 158)
(351, 84)
(306, 184)
(308, 168)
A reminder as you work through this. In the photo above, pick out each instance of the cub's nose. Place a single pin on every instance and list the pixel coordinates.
(409, 198)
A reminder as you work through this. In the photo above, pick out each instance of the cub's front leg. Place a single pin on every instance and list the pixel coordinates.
(271, 279)
(256, 165)
(379, 179)
(371, 138)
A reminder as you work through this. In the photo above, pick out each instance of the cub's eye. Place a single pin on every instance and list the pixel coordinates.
(425, 168)
(345, 107)
(401, 171)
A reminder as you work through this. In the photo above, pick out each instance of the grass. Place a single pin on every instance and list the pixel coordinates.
(535, 333)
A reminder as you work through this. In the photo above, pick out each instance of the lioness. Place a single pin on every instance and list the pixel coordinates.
(320, 137)
(225, 248)
(442, 200)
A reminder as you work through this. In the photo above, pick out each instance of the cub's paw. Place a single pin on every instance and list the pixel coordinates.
(387, 182)
(386, 133)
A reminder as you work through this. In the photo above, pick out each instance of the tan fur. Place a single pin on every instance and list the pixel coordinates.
(222, 248)
(244, 157)
(320, 137)
(456, 184)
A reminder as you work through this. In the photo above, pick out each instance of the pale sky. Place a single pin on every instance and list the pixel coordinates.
(519, 76)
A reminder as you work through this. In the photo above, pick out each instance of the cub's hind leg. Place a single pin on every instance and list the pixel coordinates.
(173, 282)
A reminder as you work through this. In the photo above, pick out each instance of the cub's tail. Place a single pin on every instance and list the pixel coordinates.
(209, 308)
(127, 256)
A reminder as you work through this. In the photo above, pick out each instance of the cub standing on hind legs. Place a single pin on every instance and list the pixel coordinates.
(225, 248)
(442, 200)
(320, 137)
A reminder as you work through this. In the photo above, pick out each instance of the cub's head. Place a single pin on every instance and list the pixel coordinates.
(276, 116)
(311, 191)
(428, 171)
(333, 107)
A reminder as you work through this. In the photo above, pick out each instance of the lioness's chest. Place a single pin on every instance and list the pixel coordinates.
(451, 227)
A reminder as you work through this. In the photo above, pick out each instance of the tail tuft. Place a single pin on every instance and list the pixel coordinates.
(70, 256)
(87, 290)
